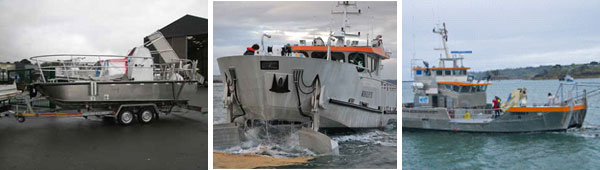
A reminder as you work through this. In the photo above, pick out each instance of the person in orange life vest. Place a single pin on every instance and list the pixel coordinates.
(496, 102)
(251, 50)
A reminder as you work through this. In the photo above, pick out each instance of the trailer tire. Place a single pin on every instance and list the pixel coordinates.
(146, 115)
(125, 117)
(20, 119)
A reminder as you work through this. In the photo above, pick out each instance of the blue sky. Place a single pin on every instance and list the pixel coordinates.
(503, 34)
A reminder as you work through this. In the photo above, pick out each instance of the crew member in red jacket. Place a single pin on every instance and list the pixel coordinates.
(496, 102)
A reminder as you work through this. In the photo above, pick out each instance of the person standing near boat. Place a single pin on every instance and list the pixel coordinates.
(251, 50)
(550, 99)
(496, 107)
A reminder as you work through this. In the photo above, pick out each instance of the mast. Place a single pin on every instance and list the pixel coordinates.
(340, 35)
(454, 56)
(444, 34)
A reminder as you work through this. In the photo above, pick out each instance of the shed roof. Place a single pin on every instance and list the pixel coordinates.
(186, 25)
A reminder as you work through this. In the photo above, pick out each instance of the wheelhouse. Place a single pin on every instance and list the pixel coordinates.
(365, 58)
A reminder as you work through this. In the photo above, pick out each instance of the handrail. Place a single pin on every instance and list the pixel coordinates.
(76, 67)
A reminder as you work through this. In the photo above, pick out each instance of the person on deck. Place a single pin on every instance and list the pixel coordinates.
(496, 107)
(550, 99)
(523, 97)
(251, 50)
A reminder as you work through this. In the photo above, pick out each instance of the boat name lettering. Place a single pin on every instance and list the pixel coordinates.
(367, 94)
(269, 65)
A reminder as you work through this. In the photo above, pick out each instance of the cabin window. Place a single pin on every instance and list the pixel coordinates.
(357, 59)
(439, 72)
(335, 56)
(465, 89)
(456, 88)
(449, 87)
(448, 72)
(482, 88)
(474, 88)
(464, 72)
(301, 54)
(457, 72)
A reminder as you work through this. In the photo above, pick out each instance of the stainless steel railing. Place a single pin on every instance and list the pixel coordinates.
(72, 67)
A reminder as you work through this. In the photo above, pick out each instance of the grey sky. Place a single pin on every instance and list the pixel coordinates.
(503, 34)
(238, 25)
(39, 27)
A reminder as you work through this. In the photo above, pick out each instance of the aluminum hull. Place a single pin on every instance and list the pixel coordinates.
(76, 94)
(438, 119)
(341, 82)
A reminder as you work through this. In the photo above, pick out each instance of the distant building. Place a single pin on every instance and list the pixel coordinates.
(7, 66)
(188, 36)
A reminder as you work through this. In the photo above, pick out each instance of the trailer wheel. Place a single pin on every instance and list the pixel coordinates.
(146, 115)
(125, 117)
(20, 119)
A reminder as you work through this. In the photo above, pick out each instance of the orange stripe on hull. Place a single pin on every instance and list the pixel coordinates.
(545, 109)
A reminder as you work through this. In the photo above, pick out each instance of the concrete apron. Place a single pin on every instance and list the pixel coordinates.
(228, 135)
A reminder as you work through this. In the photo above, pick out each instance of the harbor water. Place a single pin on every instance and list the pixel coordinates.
(371, 148)
(575, 148)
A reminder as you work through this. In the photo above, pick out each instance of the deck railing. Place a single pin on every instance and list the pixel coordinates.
(69, 67)
(470, 113)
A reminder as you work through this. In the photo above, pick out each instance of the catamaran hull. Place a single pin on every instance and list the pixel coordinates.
(77, 94)
(438, 119)
(266, 90)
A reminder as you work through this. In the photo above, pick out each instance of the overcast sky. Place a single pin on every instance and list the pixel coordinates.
(503, 34)
(39, 27)
(238, 25)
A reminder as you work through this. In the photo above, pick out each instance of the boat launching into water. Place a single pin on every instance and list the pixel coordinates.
(447, 98)
(317, 86)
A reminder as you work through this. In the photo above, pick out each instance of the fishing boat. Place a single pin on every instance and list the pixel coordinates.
(322, 84)
(447, 98)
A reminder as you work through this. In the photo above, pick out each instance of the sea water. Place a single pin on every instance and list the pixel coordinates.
(358, 149)
(574, 149)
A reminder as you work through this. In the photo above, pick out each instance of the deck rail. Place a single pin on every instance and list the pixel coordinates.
(74, 67)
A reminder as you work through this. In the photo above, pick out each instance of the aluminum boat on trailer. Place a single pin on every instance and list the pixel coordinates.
(123, 87)
(446, 98)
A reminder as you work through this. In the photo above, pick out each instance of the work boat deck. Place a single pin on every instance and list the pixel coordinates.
(446, 98)
(330, 86)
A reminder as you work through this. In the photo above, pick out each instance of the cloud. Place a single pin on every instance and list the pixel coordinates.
(502, 34)
(38, 27)
(238, 25)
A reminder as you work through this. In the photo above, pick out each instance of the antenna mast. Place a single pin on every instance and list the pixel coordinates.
(340, 35)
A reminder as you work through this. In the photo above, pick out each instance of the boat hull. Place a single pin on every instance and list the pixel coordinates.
(439, 119)
(270, 93)
(77, 94)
